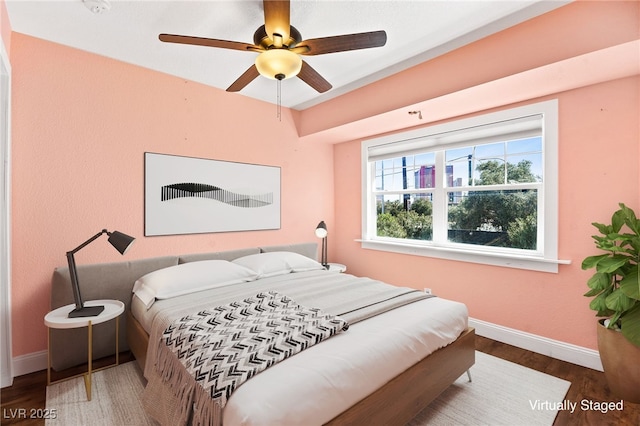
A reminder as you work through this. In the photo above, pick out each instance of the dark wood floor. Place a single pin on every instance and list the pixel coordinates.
(28, 391)
(586, 384)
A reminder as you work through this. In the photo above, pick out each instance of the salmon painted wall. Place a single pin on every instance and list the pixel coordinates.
(81, 124)
(598, 167)
(599, 148)
(575, 29)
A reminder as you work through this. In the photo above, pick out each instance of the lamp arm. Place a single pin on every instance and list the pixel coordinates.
(325, 255)
(89, 241)
(73, 274)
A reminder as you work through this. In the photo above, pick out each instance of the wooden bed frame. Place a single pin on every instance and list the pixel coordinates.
(395, 403)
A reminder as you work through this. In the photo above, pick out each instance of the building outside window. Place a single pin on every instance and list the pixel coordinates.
(482, 189)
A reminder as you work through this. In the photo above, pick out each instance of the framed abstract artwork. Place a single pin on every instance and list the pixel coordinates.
(186, 195)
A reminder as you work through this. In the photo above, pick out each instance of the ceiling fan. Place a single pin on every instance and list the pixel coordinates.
(280, 45)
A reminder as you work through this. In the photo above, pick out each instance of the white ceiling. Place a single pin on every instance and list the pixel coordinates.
(416, 31)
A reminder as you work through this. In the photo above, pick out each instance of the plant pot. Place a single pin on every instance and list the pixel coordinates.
(621, 361)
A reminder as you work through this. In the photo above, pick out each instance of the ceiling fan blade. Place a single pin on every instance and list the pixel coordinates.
(341, 43)
(210, 42)
(313, 79)
(247, 77)
(277, 20)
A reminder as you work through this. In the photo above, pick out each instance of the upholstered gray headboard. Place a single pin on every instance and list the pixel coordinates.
(115, 281)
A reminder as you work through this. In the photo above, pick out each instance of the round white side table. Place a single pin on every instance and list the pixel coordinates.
(59, 318)
(337, 267)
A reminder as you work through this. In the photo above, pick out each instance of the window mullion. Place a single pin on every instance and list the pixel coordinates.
(440, 225)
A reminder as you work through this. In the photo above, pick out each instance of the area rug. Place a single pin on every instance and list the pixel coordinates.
(501, 393)
(115, 399)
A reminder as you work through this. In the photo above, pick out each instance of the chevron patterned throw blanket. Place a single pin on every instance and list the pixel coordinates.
(222, 347)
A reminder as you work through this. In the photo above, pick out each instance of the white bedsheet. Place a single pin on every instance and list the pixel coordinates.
(317, 384)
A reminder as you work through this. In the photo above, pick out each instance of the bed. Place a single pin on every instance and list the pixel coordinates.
(347, 379)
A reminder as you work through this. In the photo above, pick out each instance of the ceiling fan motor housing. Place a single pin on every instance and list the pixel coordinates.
(261, 38)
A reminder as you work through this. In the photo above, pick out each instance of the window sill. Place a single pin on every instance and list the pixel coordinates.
(495, 259)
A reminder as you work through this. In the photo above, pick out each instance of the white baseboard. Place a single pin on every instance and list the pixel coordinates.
(553, 348)
(29, 363)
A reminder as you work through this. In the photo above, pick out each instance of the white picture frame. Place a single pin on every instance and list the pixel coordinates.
(187, 195)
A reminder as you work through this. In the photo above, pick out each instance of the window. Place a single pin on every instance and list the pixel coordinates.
(482, 190)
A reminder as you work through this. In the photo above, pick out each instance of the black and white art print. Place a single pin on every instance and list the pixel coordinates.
(186, 195)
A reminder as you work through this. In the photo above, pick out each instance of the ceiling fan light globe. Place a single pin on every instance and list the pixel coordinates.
(277, 62)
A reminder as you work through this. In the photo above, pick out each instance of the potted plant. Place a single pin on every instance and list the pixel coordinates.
(615, 288)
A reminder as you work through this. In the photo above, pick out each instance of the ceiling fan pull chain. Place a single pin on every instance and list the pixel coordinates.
(279, 79)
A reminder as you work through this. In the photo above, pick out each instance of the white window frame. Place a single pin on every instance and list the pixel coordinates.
(545, 259)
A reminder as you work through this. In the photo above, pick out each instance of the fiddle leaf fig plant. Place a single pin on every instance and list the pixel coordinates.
(615, 285)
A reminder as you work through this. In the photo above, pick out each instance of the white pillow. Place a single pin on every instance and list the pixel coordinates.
(188, 278)
(277, 263)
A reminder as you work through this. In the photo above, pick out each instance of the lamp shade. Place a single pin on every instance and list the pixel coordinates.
(278, 64)
(121, 242)
(321, 230)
